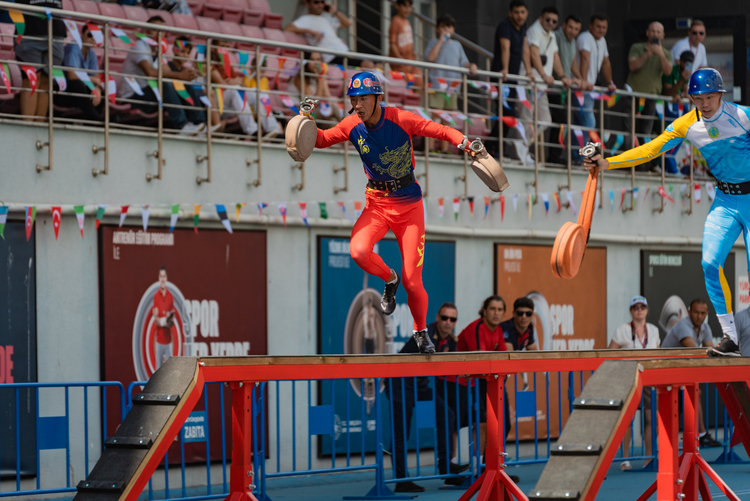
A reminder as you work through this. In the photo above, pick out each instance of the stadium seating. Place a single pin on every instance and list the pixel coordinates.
(167, 16)
(86, 6)
(112, 10)
(135, 13)
(185, 22)
(208, 24)
(270, 20)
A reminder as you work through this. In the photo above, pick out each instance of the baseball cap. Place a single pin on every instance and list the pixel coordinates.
(638, 300)
(687, 57)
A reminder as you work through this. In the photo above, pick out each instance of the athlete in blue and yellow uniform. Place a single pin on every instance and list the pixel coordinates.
(382, 136)
(721, 131)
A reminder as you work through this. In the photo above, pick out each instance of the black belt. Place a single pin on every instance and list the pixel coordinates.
(393, 184)
(734, 189)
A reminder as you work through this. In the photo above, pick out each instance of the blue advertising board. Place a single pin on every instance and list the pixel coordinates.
(349, 322)
(194, 429)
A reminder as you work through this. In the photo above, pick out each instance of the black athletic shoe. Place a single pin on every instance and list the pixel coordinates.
(726, 348)
(708, 441)
(458, 468)
(455, 481)
(388, 301)
(408, 487)
(424, 343)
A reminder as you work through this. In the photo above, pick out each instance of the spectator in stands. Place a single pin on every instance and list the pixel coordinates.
(566, 47)
(34, 48)
(519, 330)
(319, 25)
(316, 85)
(82, 58)
(694, 43)
(674, 84)
(637, 335)
(545, 63)
(235, 100)
(649, 61)
(182, 48)
(484, 334)
(403, 402)
(400, 37)
(592, 58)
(142, 61)
(691, 332)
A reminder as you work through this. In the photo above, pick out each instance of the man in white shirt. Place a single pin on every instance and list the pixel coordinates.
(545, 63)
(592, 58)
(319, 25)
(693, 43)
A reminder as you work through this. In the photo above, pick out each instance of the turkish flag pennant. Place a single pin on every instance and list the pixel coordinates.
(30, 215)
(56, 219)
(111, 89)
(31, 75)
(123, 214)
(697, 192)
(502, 208)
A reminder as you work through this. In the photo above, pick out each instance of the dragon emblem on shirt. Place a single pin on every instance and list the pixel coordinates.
(397, 163)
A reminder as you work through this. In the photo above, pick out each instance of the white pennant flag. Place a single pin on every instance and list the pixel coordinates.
(441, 207)
(569, 194)
(134, 85)
(123, 214)
(73, 29)
(697, 193)
(456, 207)
(545, 199)
(144, 216)
(711, 190)
(515, 202)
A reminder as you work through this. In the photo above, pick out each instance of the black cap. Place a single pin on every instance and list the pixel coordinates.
(687, 57)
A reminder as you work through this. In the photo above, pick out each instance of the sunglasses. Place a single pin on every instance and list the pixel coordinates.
(527, 313)
(446, 317)
(640, 307)
(699, 32)
(316, 2)
(550, 20)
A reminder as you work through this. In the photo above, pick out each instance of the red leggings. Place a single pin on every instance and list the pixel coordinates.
(407, 223)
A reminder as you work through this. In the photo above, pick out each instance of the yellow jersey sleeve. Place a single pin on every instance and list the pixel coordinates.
(671, 137)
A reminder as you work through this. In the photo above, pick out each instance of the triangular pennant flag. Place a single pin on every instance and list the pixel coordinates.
(683, 189)
(146, 39)
(289, 103)
(441, 207)
(265, 101)
(179, 87)
(100, 214)
(645, 197)
(237, 209)
(512, 122)
(663, 193)
(225, 61)
(471, 206)
(30, 215)
(710, 190)
(530, 201)
(112, 89)
(323, 210)
(145, 210)
(611, 200)
(561, 138)
(3, 220)
(545, 199)
(342, 206)
(155, 89)
(59, 77)
(122, 36)
(456, 207)
(580, 97)
(200, 56)
(357, 209)
(521, 92)
(261, 206)
(622, 196)
(303, 213)
(595, 137)
(502, 207)
(220, 99)
(556, 197)
(222, 212)
(173, 217)
(20, 23)
(80, 215)
(486, 206)
(579, 136)
(123, 214)
(697, 193)
(569, 194)
(96, 32)
(282, 211)
(56, 220)
(84, 77)
(196, 215)
(134, 85)
(515, 202)
(30, 72)
(635, 196)
(73, 30)
(660, 109)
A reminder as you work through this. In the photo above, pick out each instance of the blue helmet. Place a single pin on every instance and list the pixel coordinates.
(364, 83)
(705, 81)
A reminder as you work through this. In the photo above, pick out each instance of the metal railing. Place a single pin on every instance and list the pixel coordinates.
(484, 99)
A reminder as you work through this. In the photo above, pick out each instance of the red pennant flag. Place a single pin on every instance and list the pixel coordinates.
(557, 201)
(123, 214)
(502, 208)
(31, 75)
(697, 193)
(30, 214)
(5, 77)
(111, 89)
(56, 219)
(622, 196)
(471, 206)
(663, 193)
(224, 56)
(595, 137)
(486, 206)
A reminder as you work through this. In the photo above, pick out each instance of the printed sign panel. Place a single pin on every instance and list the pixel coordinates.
(17, 347)
(350, 323)
(210, 300)
(568, 315)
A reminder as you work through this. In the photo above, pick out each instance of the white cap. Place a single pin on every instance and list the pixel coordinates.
(638, 300)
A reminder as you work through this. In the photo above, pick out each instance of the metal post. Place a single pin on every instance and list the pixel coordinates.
(662, 202)
(259, 145)
(535, 134)
(692, 180)
(159, 153)
(690, 440)
(105, 89)
(500, 124)
(241, 472)
(668, 475)
(207, 158)
(632, 169)
(568, 133)
(345, 168)
(50, 110)
(464, 87)
(601, 136)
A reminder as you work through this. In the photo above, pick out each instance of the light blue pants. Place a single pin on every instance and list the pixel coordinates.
(729, 215)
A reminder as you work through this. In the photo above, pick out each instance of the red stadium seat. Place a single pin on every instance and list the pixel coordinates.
(252, 17)
(295, 38)
(6, 36)
(167, 16)
(278, 36)
(233, 10)
(196, 6)
(270, 20)
(252, 32)
(335, 79)
(212, 10)
(68, 5)
(117, 51)
(185, 21)
(208, 24)
(111, 10)
(135, 13)
(229, 28)
(86, 6)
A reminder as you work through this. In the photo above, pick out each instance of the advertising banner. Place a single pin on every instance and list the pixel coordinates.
(568, 315)
(350, 323)
(181, 293)
(17, 348)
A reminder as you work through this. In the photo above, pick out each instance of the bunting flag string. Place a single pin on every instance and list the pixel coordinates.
(282, 211)
(73, 30)
(545, 199)
(502, 207)
(571, 202)
(30, 215)
(261, 206)
(611, 200)
(456, 207)
(96, 33)
(323, 210)
(635, 196)
(342, 206)
(303, 213)
(196, 216)
(357, 209)
(471, 206)
(100, 214)
(663, 194)
(556, 196)
(30, 72)
(80, 216)
(174, 216)
(20, 23)
(222, 212)
(56, 220)
(579, 136)
(3, 220)
(515, 202)
(622, 196)
(486, 206)
(145, 211)
(126, 39)
(441, 207)
(710, 190)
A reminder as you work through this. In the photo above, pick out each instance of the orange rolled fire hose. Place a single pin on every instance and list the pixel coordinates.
(571, 240)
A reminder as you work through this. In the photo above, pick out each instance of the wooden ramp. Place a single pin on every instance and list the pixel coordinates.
(146, 433)
(592, 434)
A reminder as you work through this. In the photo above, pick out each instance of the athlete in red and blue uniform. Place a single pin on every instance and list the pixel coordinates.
(382, 136)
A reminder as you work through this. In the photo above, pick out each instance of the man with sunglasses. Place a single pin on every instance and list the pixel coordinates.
(81, 59)
(694, 43)
(519, 330)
